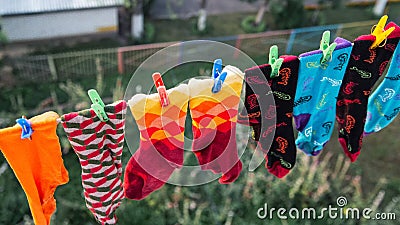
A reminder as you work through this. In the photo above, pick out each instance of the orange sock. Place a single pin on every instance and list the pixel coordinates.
(37, 163)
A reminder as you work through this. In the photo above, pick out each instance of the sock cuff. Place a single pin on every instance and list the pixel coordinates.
(39, 122)
(233, 81)
(288, 58)
(396, 32)
(266, 68)
(141, 98)
(370, 37)
(234, 70)
(111, 110)
(341, 43)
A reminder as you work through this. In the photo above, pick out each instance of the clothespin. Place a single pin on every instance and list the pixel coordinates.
(218, 77)
(380, 33)
(97, 105)
(162, 91)
(26, 127)
(326, 48)
(274, 61)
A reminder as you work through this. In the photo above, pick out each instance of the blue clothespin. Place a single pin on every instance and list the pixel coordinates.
(218, 77)
(26, 127)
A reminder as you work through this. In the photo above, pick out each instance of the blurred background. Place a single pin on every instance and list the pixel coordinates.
(52, 52)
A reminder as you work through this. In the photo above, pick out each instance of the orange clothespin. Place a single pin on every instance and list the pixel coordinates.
(162, 91)
(380, 33)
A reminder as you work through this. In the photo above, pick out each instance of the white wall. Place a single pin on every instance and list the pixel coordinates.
(68, 23)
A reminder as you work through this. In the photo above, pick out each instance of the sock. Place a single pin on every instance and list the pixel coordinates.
(161, 141)
(365, 67)
(99, 146)
(384, 103)
(214, 119)
(281, 156)
(317, 88)
(37, 163)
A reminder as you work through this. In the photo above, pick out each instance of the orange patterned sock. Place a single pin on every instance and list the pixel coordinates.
(214, 119)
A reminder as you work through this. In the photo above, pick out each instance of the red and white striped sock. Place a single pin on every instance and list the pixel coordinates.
(98, 146)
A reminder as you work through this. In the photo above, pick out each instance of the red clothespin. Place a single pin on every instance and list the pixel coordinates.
(162, 91)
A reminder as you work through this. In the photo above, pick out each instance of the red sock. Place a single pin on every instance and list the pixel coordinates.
(161, 141)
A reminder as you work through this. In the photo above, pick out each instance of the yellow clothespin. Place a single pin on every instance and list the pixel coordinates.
(380, 33)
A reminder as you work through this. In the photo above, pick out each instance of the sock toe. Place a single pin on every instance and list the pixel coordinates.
(278, 170)
(232, 174)
(353, 156)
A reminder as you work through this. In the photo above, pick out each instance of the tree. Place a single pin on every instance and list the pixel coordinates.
(135, 9)
(3, 37)
(288, 13)
(261, 11)
(132, 18)
(202, 20)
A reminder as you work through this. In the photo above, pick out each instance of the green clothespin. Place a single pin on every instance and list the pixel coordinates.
(325, 47)
(98, 105)
(274, 61)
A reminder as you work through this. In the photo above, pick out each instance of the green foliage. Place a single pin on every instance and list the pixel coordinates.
(249, 26)
(13, 204)
(314, 182)
(250, 1)
(129, 4)
(149, 32)
(3, 38)
(206, 31)
(288, 13)
(118, 91)
(147, 36)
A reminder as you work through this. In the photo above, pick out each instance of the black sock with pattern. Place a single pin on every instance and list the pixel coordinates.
(276, 115)
(364, 69)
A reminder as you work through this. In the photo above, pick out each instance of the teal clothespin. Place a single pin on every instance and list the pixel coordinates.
(274, 61)
(98, 105)
(326, 48)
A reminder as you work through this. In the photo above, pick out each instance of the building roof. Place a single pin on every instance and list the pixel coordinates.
(16, 7)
